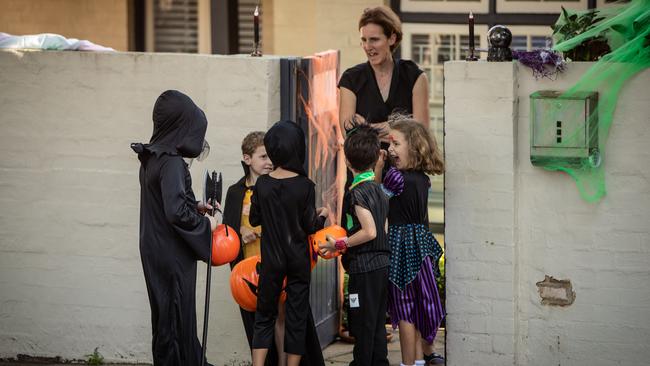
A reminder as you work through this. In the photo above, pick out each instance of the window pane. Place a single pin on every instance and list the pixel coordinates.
(519, 43)
(464, 45)
(540, 42)
(437, 83)
(420, 49)
(445, 46)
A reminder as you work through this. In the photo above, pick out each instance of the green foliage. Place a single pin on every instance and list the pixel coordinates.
(95, 358)
(570, 25)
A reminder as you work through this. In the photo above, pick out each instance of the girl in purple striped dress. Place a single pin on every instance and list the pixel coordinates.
(413, 301)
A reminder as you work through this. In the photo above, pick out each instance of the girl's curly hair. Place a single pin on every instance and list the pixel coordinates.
(424, 154)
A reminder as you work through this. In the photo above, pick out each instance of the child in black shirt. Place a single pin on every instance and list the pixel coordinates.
(367, 253)
(283, 202)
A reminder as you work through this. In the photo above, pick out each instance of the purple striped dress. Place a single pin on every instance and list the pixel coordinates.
(413, 291)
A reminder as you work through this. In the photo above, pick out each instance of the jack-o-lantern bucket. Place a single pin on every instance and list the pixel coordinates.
(244, 280)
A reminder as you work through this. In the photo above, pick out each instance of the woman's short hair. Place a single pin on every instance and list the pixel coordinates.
(386, 18)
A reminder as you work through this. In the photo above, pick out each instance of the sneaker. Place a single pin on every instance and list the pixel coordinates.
(434, 359)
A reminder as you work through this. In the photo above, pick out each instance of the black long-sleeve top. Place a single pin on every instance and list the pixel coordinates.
(286, 210)
(411, 206)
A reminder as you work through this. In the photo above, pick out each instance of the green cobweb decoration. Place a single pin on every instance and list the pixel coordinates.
(626, 27)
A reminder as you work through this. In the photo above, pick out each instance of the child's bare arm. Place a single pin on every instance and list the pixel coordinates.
(368, 229)
(367, 232)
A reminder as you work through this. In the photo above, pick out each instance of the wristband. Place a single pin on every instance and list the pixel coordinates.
(341, 244)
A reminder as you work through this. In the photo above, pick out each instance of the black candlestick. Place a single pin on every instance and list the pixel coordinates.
(256, 33)
(471, 56)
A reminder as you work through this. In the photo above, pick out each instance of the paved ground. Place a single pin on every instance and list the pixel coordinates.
(340, 353)
(336, 354)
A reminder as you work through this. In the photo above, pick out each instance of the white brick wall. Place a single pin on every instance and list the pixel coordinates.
(480, 155)
(70, 272)
(508, 224)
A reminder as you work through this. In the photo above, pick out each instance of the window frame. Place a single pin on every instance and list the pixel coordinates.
(538, 6)
(445, 6)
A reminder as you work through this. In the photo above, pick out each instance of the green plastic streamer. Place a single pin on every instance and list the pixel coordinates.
(626, 27)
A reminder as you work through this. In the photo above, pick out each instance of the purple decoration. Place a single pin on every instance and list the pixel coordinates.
(544, 62)
(393, 183)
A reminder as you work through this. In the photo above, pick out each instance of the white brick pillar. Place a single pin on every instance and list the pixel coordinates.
(480, 214)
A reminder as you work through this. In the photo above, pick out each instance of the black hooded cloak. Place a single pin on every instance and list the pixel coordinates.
(232, 217)
(286, 210)
(173, 234)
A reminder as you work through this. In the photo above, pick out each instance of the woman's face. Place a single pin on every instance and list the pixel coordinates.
(375, 43)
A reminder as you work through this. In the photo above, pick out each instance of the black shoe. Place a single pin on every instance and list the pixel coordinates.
(434, 359)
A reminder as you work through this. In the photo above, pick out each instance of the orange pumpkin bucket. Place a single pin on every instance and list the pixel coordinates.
(225, 245)
(244, 280)
(243, 283)
(320, 237)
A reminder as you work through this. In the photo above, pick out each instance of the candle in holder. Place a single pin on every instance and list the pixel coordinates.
(470, 56)
(256, 33)
(471, 31)
(256, 25)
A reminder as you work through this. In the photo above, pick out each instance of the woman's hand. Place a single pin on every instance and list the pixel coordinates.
(383, 130)
(359, 118)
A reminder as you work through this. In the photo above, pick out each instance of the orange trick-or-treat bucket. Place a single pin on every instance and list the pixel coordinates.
(225, 245)
(244, 280)
(320, 237)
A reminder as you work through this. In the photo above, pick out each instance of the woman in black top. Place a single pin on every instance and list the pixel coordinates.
(374, 89)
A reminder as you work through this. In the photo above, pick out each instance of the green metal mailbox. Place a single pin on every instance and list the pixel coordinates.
(564, 128)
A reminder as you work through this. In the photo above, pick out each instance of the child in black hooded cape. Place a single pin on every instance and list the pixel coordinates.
(174, 234)
(283, 202)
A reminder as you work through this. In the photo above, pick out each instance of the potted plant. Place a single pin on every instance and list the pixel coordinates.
(571, 25)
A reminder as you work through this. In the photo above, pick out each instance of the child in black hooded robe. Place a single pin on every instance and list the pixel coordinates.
(174, 234)
(283, 202)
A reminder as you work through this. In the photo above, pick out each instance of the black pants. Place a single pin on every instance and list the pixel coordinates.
(367, 320)
(297, 310)
(248, 318)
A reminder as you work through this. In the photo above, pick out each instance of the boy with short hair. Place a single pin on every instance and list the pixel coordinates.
(366, 250)
(255, 162)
